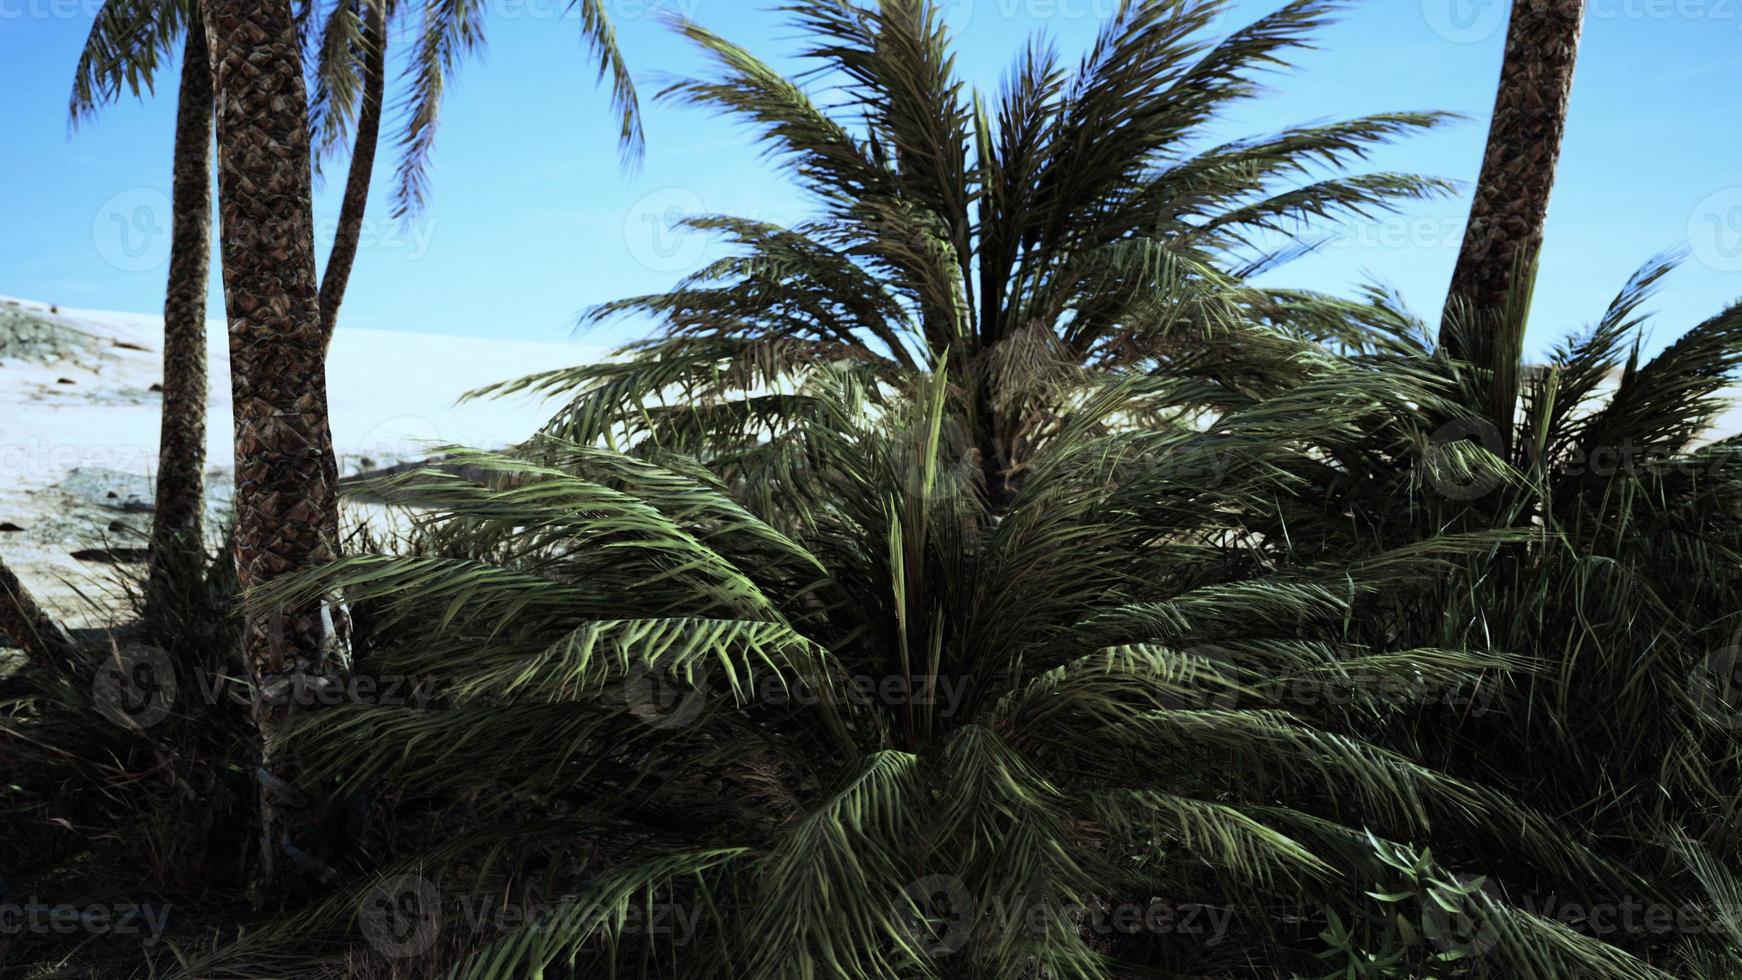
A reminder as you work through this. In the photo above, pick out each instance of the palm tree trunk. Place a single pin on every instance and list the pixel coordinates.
(25, 624)
(344, 253)
(179, 525)
(1505, 231)
(996, 454)
(286, 499)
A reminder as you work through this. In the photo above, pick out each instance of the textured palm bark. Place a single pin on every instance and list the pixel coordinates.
(344, 253)
(25, 624)
(1505, 231)
(286, 499)
(179, 526)
(997, 456)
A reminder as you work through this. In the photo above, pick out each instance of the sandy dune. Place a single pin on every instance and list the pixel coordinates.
(78, 437)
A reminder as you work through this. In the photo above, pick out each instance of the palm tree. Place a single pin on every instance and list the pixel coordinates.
(816, 714)
(23, 622)
(1047, 219)
(1496, 269)
(129, 38)
(351, 81)
(1621, 591)
(126, 40)
(126, 43)
(371, 41)
(286, 494)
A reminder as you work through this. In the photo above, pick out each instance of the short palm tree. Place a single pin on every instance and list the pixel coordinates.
(816, 717)
(1079, 213)
(350, 88)
(1624, 591)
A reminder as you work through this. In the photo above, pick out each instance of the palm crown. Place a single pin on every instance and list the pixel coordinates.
(1627, 586)
(1088, 700)
(444, 33)
(1078, 213)
(129, 39)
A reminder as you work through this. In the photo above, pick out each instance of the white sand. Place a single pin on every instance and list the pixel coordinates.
(65, 447)
(73, 457)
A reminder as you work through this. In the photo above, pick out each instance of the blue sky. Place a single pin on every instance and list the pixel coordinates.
(532, 219)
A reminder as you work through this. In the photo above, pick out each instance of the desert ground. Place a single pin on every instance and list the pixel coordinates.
(80, 413)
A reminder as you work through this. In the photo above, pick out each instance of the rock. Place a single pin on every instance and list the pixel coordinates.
(38, 340)
(132, 493)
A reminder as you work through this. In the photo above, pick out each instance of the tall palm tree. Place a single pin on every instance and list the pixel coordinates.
(286, 495)
(1059, 216)
(1491, 284)
(121, 53)
(371, 41)
(127, 42)
(350, 85)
